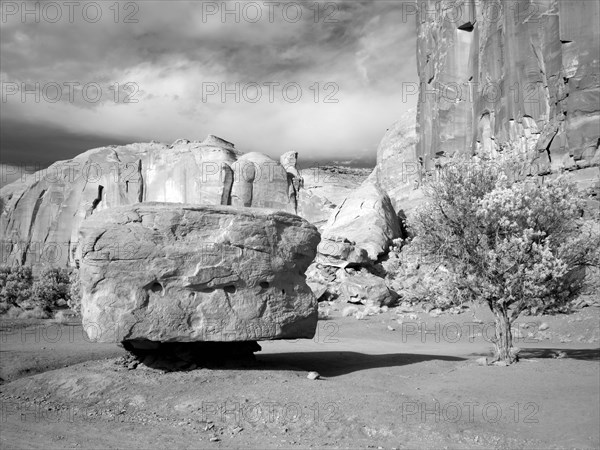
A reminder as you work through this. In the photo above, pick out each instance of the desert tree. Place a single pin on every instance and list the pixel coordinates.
(513, 245)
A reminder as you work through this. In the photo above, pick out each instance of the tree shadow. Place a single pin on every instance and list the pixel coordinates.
(336, 363)
(585, 354)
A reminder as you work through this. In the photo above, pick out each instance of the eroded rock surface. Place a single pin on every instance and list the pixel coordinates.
(360, 229)
(365, 288)
(42, 213)
(524, 73)
(167, 272)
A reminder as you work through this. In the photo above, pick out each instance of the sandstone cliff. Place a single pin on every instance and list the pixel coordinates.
(503, 79)
(493, 72)
(42, 213)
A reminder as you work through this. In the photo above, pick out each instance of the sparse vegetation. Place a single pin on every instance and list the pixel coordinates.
(23, 296)
(515, 246)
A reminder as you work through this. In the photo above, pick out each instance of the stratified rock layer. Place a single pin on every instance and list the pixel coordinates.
(168, 272)
(41, 215)
(510, 76)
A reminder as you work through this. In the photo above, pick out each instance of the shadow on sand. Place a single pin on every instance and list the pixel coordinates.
(242, 355)
(332, 363)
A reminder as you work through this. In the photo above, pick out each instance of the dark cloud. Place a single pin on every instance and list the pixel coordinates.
(37, 145)
(367, 52)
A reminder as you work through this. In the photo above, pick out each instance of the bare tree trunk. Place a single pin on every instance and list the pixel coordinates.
(503, 344)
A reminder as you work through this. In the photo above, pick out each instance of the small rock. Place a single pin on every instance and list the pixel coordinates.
(559, 355)
(435, 312)
(482, 361)
(543, 326)
(501, 363)
(313, 375)
(214, 439)
(391, 328)
(349, 311)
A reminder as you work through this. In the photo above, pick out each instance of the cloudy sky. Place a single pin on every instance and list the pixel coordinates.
(324, 80)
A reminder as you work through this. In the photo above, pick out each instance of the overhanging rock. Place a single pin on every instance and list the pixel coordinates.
(167, 272)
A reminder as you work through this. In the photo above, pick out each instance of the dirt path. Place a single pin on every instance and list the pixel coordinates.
(415, 386)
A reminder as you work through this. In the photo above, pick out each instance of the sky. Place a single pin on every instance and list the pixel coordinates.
(323, 79)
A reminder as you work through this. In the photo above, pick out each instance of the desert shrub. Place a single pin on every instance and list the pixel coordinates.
(19, 291)
(15, 286)
(51, 286)
(512, 245)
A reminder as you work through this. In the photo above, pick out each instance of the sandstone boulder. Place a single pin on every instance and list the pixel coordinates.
(360, 229)
(324, 188)
(365, 288)
(166, 272)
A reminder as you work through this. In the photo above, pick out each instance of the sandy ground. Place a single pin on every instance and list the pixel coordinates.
(383, 384)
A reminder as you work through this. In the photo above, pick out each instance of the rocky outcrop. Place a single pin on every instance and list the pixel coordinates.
(42, 214)
(324, 188)
(365, 288)
(167, 272)
(360, 229)
(505, 77)
(398, 170)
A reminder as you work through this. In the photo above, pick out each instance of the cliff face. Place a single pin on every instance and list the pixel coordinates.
(41, 214)
(520, 71)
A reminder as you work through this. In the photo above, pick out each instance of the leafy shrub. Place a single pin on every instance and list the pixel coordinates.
(20, 292)
(15, 286)
(512, 245)
(51, 286)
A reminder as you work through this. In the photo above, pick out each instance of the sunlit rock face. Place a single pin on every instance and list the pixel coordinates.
(170, 272)
(398, 169)
(42, 213)
(360, 229)
(493, 72)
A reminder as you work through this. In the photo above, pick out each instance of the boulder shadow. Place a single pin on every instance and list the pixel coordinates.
(185, 356)
(584, 354)
(336, 363)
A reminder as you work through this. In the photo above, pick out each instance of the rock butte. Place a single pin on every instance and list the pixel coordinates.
(41, 216)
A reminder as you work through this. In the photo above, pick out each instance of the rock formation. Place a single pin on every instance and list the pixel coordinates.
(360, 229)
(502, 76)
(517, 80)
(167, 272)
(42, 214)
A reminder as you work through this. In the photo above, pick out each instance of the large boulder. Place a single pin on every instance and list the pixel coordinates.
(360, 229)
(324, 188)
(167, 272)
(365, 288)
(41, 213)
